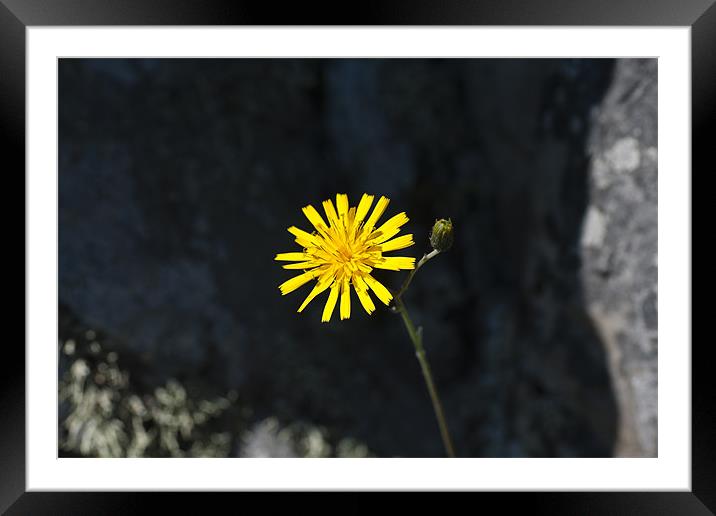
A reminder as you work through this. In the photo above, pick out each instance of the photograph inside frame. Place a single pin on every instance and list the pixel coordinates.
(357, 257)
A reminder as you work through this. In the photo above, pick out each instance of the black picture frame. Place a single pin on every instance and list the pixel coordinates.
(17, 15)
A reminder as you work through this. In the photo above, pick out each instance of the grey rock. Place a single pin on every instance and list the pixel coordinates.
(624, 155)
(623, 303)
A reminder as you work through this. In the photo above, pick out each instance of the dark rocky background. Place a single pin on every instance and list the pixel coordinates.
(178, 178)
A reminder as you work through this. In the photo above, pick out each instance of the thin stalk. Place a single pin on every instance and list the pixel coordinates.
(416, 336)
(421, 262)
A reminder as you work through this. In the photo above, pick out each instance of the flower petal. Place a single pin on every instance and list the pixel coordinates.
(331, 213)
(314, 217)
(350, 222)
(345, 299)
(331, 302)
(389, 229)
(361, 289)
(323, 283)
(302, 265)
(292, 257)
(380, 291)
(380, 207)
(363, 207)
(302, 238)
(397, 243)
(297, 281)
(395, 263)
(342, 205)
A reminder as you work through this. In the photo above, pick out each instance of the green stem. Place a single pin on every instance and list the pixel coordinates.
(421, 262)
(416, 335)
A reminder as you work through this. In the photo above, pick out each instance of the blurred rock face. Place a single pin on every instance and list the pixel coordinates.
(619, 248)
(178, 178)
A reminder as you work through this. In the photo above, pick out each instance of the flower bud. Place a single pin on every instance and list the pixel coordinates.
(441, 236)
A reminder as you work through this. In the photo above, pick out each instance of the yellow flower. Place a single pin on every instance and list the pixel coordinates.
(344, 252)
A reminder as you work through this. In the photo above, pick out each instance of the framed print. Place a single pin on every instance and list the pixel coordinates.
(481, 206)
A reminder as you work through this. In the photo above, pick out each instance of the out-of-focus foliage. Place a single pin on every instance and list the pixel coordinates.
(102, 414)
(105, 417)
(268, 439)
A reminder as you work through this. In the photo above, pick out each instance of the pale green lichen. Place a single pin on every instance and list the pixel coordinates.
(104, 417)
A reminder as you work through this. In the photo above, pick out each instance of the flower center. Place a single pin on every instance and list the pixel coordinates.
(346, 253)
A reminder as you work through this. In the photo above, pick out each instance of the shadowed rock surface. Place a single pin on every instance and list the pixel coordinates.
(178, 179)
